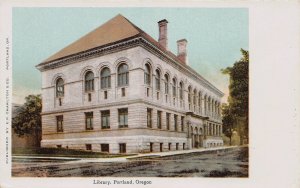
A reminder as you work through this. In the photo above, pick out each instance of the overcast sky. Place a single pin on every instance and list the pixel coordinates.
(214, 35)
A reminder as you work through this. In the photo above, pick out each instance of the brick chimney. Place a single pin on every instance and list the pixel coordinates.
(163, 33)
(181, 51)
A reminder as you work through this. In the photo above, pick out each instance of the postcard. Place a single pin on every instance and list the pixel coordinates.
(150, 94)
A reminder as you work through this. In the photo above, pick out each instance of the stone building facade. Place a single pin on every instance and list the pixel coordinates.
(118, 90)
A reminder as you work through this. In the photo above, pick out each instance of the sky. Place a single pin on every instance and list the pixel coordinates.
(215, 37)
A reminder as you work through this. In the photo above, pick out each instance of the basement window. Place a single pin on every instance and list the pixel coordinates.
(123, 92)
(88, 147)
(89, 97)
(105, 94)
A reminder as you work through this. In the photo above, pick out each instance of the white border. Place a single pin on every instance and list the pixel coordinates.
(274, 96)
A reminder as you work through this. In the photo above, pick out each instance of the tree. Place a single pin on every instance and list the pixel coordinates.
(228, 122)
(28, 119)
(239, 94)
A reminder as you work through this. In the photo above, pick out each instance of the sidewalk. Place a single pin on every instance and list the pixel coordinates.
(169, 153)
(124, 159)
(153, 154)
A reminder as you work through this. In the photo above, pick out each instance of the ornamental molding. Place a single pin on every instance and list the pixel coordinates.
(56, 77)
(127, 44)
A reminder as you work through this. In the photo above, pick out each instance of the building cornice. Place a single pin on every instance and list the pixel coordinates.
(106, 105)
(127, 44)
(197, 116)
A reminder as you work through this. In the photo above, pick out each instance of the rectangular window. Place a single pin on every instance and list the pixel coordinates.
(159, 119)
(105, 148)
(182, 123)
(89, 120)
(168, 121)
(183, 146)
(151, 147)
(105, 94)
(160, 147)
(89, 97)
(170, 144)
(149, 117)
(157, 95)
(177, 146)
(122, 148)
(105, 116)
(147, 92)
(88, 147)
(59, 101)
(58, 146)
(60, 123)
(175, 123)
(123, 92)
(123, 118)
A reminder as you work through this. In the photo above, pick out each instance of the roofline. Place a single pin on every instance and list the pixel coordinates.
(193, 72)
(161, 51)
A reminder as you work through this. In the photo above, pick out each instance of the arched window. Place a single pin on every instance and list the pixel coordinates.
(194, 96)
(157, 79)
(123, 75)
(205, 104)
(212, 107)
(59, 87)
(199, 101)
(105, 78)
(166, 84)
(190, 97)
(174, 87)
(190, 94)
(209, 103)
(181, 90)
(89, 81)
(147, 76)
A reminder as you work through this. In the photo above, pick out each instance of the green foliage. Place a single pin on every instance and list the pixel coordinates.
(28, 118)
(235, 114)
(227, 121)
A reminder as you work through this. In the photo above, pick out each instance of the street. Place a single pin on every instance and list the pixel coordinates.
(232, 162)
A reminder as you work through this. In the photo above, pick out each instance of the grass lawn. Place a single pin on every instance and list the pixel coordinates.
(63, 152)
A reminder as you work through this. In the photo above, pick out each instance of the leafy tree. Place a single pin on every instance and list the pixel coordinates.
(228, 122)
(28, 119)
(238, 94)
